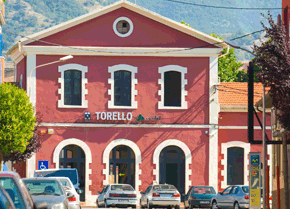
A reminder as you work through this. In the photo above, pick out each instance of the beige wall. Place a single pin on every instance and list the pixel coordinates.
(278, 161)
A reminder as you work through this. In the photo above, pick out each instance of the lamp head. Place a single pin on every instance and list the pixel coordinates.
(63, 59)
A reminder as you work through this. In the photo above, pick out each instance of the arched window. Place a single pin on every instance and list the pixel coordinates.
(172, 89)
(172, 92)
(235, 166)
(72, 86)
(122, 87)
(122, 90)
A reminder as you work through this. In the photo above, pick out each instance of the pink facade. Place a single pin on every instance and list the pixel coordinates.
(195, 127)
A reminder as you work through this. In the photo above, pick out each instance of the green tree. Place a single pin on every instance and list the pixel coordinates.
(17, 120)
(228, 68)
(228, 64)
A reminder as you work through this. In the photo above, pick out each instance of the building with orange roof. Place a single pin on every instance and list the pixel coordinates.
(233, 142)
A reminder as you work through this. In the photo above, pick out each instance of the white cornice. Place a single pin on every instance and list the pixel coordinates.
(119, 51)
(97, 125)
(243, 127)
(237, 108)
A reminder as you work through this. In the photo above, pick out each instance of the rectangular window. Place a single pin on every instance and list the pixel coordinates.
(172, 89)
(72, 87)
(122, 88)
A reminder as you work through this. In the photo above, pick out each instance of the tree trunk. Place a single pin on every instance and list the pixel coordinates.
(285, 169)
(1, 161)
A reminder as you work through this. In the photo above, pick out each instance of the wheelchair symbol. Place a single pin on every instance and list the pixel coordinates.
(42, 166)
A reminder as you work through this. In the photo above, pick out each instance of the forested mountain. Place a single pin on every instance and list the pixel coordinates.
(24, 17)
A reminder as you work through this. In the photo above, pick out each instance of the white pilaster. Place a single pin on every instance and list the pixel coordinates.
(30, 65)
(213, 119)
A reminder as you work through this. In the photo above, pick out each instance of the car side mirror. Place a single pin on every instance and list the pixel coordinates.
(220, 193)
(69, 195)
(99, 192)
(142, 193)
(40, 205)
(80, 191)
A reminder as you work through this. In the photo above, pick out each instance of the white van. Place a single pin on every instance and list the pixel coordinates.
(71, 173)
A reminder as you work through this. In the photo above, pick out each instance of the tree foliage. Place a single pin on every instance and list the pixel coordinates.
(17, 120)
(273, 57)
(228, 65)
(228, 68)
(33, 146)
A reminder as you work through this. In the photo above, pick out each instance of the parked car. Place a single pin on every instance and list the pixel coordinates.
(71, 173)
(18, 192)
(5, 200)
(49, 190)
(74, 202)
(160, 195)
(117, 195)
(235, 196)
(199, 197)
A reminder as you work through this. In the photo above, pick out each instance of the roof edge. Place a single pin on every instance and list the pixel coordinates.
(123, 3)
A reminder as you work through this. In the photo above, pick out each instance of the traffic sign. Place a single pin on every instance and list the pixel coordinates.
(43, 164)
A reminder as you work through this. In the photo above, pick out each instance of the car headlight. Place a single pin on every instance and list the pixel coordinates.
(58, 206)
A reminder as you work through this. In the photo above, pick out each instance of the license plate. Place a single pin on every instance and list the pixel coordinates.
(122, 200)
(204, 202)
(166, 195)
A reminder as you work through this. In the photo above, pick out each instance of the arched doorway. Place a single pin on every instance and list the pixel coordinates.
(72, 156)
(122, 165)
(235, 166)
(172, 167)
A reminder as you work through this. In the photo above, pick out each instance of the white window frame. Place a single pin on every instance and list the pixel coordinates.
(83, 69)
(224, 162)
(111, 91)
(183, 71)
(115, 27)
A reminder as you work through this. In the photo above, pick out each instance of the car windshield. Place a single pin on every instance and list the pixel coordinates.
(70, 173)
(245, 189)
(11, 188)
(163, 187)
(122, 187)
(65, 183)
(44, 187)
(203, 190)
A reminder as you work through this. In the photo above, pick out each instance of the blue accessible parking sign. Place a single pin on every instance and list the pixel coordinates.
(42, 164)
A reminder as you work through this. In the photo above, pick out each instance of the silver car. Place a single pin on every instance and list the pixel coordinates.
(160, 195)
(74, 202)
(117, 195)
(235, 196)
(49, 190)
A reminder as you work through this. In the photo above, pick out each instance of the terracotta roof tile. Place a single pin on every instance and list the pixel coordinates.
(236, 93)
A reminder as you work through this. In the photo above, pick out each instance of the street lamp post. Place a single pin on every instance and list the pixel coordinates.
(63, 59)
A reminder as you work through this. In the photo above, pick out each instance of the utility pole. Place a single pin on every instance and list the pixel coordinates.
(265, 164)
(284, 135)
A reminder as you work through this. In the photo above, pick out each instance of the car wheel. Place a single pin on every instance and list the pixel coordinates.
(236, 205)
(141, 206)
(106, 206)
(214, 205)
(98, 206)
(148, 205)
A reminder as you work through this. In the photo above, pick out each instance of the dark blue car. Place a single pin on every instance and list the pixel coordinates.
(199, 197)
